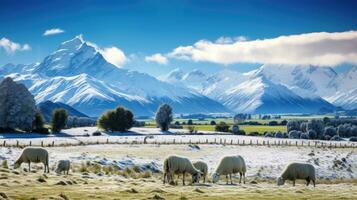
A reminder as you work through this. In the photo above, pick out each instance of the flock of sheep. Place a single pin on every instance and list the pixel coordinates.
(228, 166)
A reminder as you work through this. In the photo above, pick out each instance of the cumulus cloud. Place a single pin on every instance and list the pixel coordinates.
(114, 55)
(158, 58)
(230, 40)
(12, 47)
(321, 49)
(53, 31)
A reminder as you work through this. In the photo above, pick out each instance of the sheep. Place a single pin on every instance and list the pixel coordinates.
(63, 166)
(177, 165)
(230, 165)
(32, 154)
(298, 171)
(202, 166)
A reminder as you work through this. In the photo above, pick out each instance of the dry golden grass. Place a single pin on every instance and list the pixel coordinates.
(23, 185)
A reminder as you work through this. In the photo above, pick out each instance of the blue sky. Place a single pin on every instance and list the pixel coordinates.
(143, 28)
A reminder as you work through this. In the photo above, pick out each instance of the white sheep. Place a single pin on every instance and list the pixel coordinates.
(230, 165)
(202, 166)
(298, 171)
(177, 165)
(63, 166)
(35, 155)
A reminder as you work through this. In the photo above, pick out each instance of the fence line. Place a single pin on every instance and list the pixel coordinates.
(175, 141)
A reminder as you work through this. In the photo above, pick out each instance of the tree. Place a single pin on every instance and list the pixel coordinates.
(222, 127)
(213, 122)
(190, 122)
(17, 106)
(164, 117)
(119, 119)
(38, 124)
(59, 118)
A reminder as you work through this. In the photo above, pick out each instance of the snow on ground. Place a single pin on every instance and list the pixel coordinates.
(262, 161)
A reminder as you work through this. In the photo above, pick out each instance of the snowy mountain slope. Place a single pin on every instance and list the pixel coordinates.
(77, 74)
(47, 107)
(260, 95)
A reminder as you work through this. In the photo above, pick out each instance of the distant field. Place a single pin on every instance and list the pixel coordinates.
(247, 128)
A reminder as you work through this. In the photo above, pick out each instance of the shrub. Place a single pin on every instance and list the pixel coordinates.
(304, 136)
(330, 131)
(97, 133)
(119, 119)
(191, 129)
(268, 134)
(279, 135)
(312, 134)
(213, 123)
(38, 124)
(4, 164)
(177, 123)
(189, 122)
(254, 133)
(59, 118)
(294, 134)
(235, 129)
(293, 125)
(283, 122)
(240, 132)
(222, 127)
(317, 126)
(353, 139)
(273, 123)
(336, 138)
(164, 117)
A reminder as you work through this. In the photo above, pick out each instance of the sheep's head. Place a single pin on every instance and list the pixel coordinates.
(17, 164)
(196, 177)
(215, 177)
(280, 181)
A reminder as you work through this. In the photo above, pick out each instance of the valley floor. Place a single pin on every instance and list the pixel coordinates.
(93, 178)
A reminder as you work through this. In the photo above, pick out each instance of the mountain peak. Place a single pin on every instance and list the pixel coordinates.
(73, 43)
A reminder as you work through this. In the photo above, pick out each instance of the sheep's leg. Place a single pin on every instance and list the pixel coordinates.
(307, 181)
(313, 181)
(29, 167)
(204, 179)
(164, 178)
(230, 177)
(244, 178)
(44, 164)
(183, 178)
(294, 183)
(227, 179)
(240, 177)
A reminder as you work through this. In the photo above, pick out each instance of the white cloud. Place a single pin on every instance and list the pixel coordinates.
(114, 55)
(230, 40)
(158, 58)
(53, 31)
(12, 47)
(321, 49)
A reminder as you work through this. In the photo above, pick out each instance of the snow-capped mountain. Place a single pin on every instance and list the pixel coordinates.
(77, 74)
(260, 95)
(300, 88)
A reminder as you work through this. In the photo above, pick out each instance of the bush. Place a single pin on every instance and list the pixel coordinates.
(222, 127)
(330, 131)
(191, 129)
(38, 124)
(213, 123)
(254, 133)
(164, 117)
(189, 122)
(240, 132)
(59, 118)
(294, 134)
(235, 129)
(312, 134)
(293, 125)
(278, 135)
(317, 126)
(96, 133)
(269, 134)
(336, 138)
(304, 136)
(283, 122)
(353, 139)
(119, 119)
(273, 123)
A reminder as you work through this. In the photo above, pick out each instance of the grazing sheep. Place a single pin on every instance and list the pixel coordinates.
(177, 165)
(298, 171)
(230, 165)
(35, 155)
(63, 166)
(202, 166)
